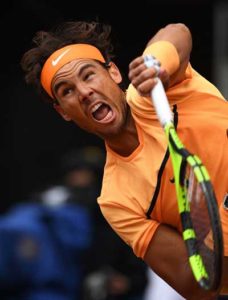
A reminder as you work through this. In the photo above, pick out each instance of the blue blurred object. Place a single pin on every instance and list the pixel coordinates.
(41, 249)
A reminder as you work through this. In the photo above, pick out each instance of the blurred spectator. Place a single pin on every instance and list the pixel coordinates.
(81, 172)
(41, 249)
(58, 246)
(115, 273)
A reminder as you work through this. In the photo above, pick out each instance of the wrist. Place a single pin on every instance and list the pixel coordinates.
(166, 53)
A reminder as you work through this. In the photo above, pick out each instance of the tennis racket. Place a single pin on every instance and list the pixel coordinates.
(197, 204)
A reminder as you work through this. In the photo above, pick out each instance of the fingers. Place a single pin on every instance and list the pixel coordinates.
(151, 62)
(144, 78)
(138, 68)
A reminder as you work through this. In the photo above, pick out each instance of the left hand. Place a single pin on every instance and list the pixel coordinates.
(144, 78)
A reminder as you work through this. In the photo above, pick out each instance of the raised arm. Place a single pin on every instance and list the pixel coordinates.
(172, 46)
(180, 36)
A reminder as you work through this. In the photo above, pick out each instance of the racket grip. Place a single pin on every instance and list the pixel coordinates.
(161, 103)
(158, 95)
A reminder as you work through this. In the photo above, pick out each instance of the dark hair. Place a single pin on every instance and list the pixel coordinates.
(47, 42)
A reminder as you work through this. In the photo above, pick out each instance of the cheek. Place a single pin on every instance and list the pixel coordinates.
(119, 99)
(114, 93)
(73, 110)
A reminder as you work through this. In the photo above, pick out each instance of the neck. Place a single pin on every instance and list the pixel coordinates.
(127, 140)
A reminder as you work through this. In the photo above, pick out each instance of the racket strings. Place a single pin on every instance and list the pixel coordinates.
(201, 221)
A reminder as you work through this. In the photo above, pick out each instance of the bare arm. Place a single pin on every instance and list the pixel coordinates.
(167, 256)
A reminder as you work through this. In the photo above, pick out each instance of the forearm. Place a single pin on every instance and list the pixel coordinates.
(167, 256)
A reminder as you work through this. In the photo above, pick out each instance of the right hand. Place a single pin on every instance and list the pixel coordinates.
(144, 78)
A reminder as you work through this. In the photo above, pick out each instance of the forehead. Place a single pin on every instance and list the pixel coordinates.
(76, 67)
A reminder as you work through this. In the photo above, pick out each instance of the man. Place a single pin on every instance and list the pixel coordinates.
(72, 67)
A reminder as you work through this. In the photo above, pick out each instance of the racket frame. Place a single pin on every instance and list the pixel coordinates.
(180, 154)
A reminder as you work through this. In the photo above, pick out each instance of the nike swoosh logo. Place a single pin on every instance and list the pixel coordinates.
(55, 61)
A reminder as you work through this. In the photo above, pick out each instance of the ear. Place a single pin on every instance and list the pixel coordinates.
(60, 111)
(115, 72)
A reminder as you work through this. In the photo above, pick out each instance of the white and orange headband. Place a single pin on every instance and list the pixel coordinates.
(63, 56)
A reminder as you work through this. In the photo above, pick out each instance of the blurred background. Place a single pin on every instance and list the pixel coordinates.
(36, 140)
(33, 136)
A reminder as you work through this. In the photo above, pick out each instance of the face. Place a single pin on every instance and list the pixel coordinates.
(89, 95)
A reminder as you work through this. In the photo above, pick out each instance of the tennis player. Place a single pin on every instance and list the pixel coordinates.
(73, 68)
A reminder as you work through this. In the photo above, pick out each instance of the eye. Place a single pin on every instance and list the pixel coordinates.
(88, 75)
(64, 89)
(67, 91)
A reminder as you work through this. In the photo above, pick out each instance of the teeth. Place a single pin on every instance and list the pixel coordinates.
(96, 107)
(109, 115)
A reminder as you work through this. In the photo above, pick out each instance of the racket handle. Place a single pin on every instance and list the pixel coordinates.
(158, 95)
(161, 103)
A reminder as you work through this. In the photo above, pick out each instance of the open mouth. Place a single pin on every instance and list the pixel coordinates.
(102, 113)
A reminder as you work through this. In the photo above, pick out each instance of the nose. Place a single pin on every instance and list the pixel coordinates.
(84, 92)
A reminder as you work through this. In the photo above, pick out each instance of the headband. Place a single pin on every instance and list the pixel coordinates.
(63, 56)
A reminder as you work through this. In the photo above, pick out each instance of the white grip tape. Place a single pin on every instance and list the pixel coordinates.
(158, 95)
(161, 103)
